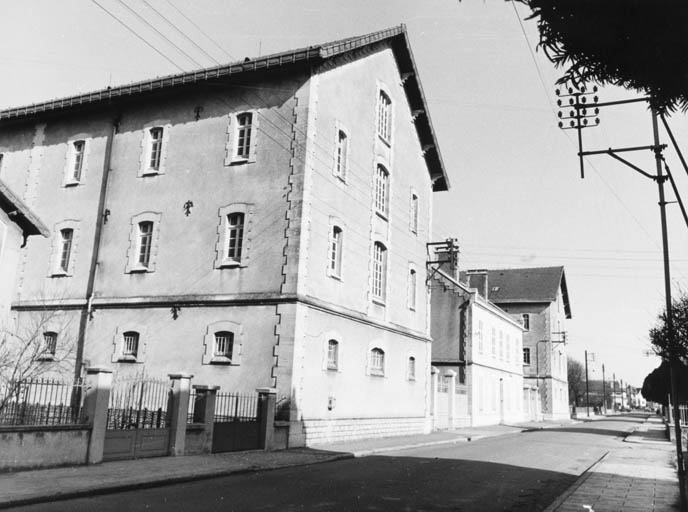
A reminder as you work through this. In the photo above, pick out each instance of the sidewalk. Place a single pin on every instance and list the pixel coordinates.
(640, 477)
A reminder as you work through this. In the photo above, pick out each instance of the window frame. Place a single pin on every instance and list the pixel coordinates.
(384, 116)
(234, 237)
(127, 355)
(381, 191)
(149, 144)
(222, 244)
(335, 251)
(65, 251)
(133, 264)
(235, 139)
(414, 212)
(525, 321)
(226, 356)
(209, 357)
(412, 295)
(411, 368)
(56, 265)
(332, 359)
(341, 155)
(144, 243)
(377, 355)
(526, 356)
(49, 346)
(379, 272)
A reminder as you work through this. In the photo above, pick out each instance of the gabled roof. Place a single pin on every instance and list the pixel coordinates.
(309, 56)
(539, 284)
(15, 208)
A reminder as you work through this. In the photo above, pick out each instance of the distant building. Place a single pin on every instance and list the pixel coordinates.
(259, 224)
(17, 223)
(538, 299)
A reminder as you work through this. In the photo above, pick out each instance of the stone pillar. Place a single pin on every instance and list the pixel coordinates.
(267, 398)
(95, 409)
(451, 397)
(177, 411)
(204, 412)
(434, 372)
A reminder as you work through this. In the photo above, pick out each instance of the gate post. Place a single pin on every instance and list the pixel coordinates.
(433, 395)
(95, 410)
(177, 410)
(267, 398)
(451, 396)
(204, 412)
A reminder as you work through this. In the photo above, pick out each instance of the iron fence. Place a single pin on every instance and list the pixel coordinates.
(233, 407)
(192, 406)
(41, 402)
(138, 403)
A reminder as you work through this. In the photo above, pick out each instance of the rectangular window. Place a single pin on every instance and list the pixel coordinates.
(414, 213)
(224, 344)
(155, 148)
(379, 271)
(508, 349)
(66, 239)
(341, 154)
(384, 116)
(526, 355)
(243, 135)
(130, 344)
(235, 236)
(145, 243)
(501, 345)
(494, 342)
(336, 252)
(50, 343)
(78, 160)
(381, 190)
(332, 354)
(411, 370)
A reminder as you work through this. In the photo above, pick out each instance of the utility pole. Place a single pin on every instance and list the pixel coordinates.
(604, 393)
(587, 397)
(578, 119)
(613, 391)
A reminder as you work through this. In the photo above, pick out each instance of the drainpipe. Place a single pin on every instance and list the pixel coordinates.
(100, 220)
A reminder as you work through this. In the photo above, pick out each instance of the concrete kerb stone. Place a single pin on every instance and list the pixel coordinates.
(161, 481)
(576, 485)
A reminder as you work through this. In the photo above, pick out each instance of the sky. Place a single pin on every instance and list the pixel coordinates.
(516, 198)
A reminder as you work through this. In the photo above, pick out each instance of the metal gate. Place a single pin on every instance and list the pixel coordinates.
(236, 423)
(137, 423)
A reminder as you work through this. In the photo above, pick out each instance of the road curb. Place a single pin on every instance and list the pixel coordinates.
(100, 490)
(375, 451)
(575, 485)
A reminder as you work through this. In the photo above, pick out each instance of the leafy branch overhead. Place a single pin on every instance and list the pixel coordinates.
(637, 44)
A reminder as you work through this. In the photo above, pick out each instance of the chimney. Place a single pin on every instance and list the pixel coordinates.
(447, 256)
(478, 279)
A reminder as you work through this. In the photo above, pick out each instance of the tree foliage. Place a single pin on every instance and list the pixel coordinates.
(659, 335)
(656, 386)
(576, 377)
(637, 44)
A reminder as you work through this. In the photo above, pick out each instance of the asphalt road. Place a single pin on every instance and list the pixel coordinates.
(518, 472)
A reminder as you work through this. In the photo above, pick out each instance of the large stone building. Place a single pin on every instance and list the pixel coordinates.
(260, 224)
(537, 298)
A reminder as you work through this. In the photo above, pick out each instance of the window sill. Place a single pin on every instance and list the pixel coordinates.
(382, 215)
(337, 277)
(150, 172)
(340, 177)
(60, 273)
(221, 360)
(240, 160)
(139, 270)
(385, 141)
(45, 358)
(127, 359)
(377, 373)
(332, 369)
(230, 264)
(379, 301)
(71, 183)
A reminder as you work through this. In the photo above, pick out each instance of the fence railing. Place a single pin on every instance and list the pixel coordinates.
(236, 407)
(683, 413)
(41, 402)
(192, 406)
(138, 403)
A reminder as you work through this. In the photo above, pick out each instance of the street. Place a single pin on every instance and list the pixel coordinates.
(516, 472)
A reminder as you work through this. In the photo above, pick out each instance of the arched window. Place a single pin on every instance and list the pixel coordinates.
(336, 239)
(332, 354)
(412, 287)
(78, 147)
(155, 148)
(414, 213)
(66, 239)
(381, 190)
(525, 320)
(379, 271)
(235, 236)
(341, 154)
(224, 344)
(377, 361)
(384, 116)
(411, 368)
(145, 243)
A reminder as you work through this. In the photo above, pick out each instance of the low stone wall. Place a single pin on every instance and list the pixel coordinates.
(196, 439)
(26, 447)
(335, 430)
